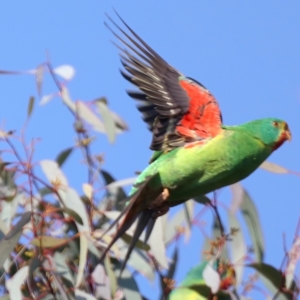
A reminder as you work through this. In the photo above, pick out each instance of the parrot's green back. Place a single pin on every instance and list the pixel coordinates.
(198, 169)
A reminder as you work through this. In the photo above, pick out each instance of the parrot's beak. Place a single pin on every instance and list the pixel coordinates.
(287, 132)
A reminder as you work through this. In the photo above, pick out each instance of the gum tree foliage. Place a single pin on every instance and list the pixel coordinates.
(51, 234)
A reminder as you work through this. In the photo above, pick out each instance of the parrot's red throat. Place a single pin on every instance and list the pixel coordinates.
(285, 136)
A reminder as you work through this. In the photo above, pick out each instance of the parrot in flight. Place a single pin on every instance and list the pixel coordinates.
(194, 153)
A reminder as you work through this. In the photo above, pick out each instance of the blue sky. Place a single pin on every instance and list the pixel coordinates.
(246, 53)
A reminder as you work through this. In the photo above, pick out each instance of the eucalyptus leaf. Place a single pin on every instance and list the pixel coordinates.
(30, 106)
(273, 278)
(65, 71)
(13, 284)
(113, 193)
(274, 168)
(8, 243)
(86, 113)
(108, 120)
(53, 172)
(238, 248)
(63, 156)
(111, 275)
(251, 218)
(129, 286)
(157, 244)
(39, 76)
(101, 282)
(48, 241)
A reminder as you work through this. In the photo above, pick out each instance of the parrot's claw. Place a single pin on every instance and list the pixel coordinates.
(158, 213)
(159, 205)
(165, 194)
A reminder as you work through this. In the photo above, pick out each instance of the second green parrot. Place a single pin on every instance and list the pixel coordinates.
(194, 287)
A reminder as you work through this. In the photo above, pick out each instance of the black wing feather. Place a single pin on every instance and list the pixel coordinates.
(164, 100)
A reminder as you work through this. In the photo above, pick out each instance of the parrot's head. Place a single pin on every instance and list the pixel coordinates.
(272, 132)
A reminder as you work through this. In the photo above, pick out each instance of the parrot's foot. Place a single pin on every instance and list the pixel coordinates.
(165, 194)
(160, 212)
(159, 205)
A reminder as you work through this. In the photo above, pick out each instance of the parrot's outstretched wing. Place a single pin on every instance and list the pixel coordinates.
(177, 109)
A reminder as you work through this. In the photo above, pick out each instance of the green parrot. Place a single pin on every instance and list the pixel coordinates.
(194, 287)
(194, 153)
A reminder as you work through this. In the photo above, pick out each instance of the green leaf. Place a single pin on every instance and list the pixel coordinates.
(274, 279)
(156, 242)
(89, 116)
(8, 243)
(30, 106)
(48, 241)
(238, 248)
(65, 97)
(3, 229)
(3, 165)
(62, 156)
(7, 176)
(176, 221)
(67, 72)
(237, 197)
(250, 216)
(111, 275)
(46, 98)
(9, 209)
(139, 261)
(211, 277)
(130, 288)
(114, 193)
(101, 282)
(173, 264)
(108, 121)
(139, 244)
(72, 201)
(61, 267)
(274, 168)
(45, 191)
(35, 263)
(53, 172)
(171, 272)
(39, 76)
(25, 218)
(294, 256)
(5, 72)
(14, 284)
(202, 200)
(71, 213)
(189, 212)
(119, 122)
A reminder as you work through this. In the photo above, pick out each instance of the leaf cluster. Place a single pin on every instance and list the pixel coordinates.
(51, 234)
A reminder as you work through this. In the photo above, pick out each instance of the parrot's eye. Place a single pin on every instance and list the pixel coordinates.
(275, 123)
